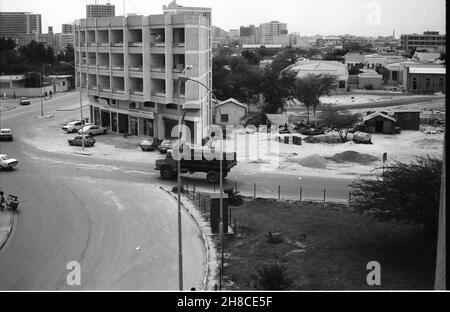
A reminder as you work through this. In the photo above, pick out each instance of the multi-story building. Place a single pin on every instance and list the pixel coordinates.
(67, 28)
(129, 66)
(269, 30)
(63, 40)
(100, 10)
(14, 24)
(429, 40)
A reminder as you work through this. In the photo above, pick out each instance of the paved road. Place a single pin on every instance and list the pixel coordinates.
(120, 227)
(99, 212)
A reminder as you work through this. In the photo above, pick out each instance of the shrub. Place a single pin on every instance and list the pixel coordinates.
(272, 277)
(403, 191)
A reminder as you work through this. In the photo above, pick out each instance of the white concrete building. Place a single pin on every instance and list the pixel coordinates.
(130, 66)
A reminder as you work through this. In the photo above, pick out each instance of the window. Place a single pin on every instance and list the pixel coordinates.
(132, 105)
(441, 83)
(395, 75)
(341, 84)
(224, 118)
(428, 82)
(149, 104)
(172, 106)
(414, 83)
(64, 83)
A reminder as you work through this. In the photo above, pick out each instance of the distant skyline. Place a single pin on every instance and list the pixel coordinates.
(325, 17)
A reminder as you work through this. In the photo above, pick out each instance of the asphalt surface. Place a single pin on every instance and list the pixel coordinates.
(119, 226)
(110, 216)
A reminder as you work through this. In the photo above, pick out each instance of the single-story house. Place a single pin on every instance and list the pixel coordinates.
(316, 67)
(408, 119)
(374, 61)
(353, 59)
(393, 72)
(426, 57)
(230, 112)
(61, 83)
(370, 80)
(424, 78)
(379, 122)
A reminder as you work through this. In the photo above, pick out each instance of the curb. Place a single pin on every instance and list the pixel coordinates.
(204, 238)
(8, 235)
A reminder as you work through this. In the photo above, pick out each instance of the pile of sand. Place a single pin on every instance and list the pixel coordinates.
(354, 157)
(313, 161)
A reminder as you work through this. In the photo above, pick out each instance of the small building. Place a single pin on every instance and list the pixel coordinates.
(408, 120)
(317, 67)
(393, 72)
(379, 122)
(353, 59)
(370, 80)
(230, 112)
(61, 83)
(424, 78)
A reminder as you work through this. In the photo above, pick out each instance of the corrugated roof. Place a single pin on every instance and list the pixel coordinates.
(376, 114)
(427, 70)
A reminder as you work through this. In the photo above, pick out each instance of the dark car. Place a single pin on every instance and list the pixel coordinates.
(6, 135)
(150, 145)
(77, 141)
(24, 101)
(165, 146)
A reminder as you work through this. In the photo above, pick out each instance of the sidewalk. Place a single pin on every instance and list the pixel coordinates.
(6, 223)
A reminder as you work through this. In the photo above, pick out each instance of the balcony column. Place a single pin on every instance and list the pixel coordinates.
(126, 59)
(146, 58)
(169, 57)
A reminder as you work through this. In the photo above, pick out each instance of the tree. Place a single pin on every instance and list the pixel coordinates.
(276, 83)
(309, 89)
(7, 44)
(403, 192)
(340, 121)
(32, 80)
(234, 77)
(251, 57)
(355, 69)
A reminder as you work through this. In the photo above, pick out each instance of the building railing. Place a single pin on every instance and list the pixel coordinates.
(117, 67)
(135, 68)
(118, 91)
(158, 44)
(158, 69)
(137, 92)
(135, 44)
(117, 44)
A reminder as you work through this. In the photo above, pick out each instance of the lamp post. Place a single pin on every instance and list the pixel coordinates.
(184, 78)
(81, 104)
(180, 134)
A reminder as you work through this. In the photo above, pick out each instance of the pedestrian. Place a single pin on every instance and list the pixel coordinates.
(2, 201)
(50, 93)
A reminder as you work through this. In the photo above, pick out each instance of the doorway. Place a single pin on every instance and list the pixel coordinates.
(379, 126)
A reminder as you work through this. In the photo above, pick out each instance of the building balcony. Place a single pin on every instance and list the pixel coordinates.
(117, 67)
(158, 44)
(137, 92)
(158, 69)
(135, 44)
(118, 91)
(117, 44)
(135, 68)
(161, 93)
(104, 67)
(103, 44)
(179, 44)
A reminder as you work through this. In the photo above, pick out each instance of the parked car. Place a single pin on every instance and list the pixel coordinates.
(78, 141)
(6, 135)
(24, 101)
(149, 145)
(7, 162)
(165, 146)
(74, 126)
(93, 130)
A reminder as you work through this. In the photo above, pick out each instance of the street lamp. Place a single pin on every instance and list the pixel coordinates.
(184, 78)
(81, 105)
(180, 134)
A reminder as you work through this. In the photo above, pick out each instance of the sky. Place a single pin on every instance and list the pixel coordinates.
(307, 17)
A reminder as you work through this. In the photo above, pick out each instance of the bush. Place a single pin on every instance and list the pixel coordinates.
(272, 277)
(403, 191)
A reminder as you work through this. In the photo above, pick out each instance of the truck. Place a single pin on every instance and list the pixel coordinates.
(168, 167)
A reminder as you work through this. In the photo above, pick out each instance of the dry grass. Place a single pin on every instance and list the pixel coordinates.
(327, 247)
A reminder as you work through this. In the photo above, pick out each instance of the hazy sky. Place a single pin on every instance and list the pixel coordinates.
(308, 17)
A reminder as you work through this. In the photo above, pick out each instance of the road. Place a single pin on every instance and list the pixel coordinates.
(120, 228)
(110, 216)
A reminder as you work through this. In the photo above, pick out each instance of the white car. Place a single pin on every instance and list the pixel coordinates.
(93, 130)
(74, 126)
(7, 162)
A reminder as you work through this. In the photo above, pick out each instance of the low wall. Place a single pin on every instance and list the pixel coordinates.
(28, 92)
